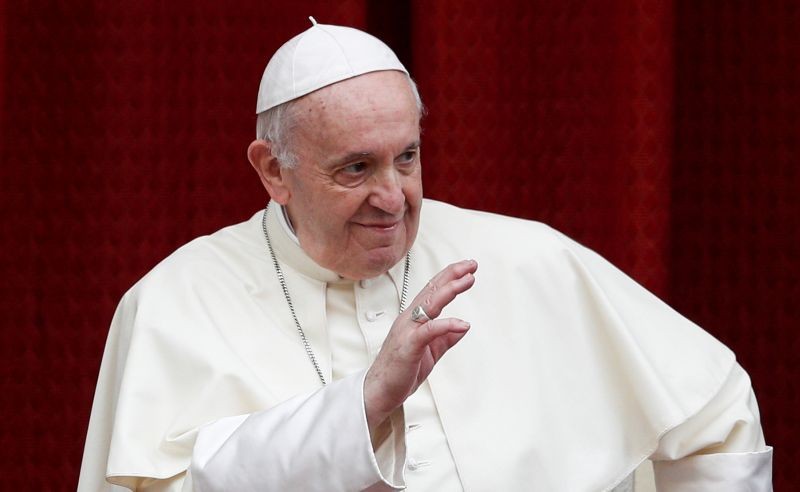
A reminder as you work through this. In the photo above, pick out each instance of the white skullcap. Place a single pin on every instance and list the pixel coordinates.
(320, 56)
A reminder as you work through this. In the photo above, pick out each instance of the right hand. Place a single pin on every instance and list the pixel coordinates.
(411, 349)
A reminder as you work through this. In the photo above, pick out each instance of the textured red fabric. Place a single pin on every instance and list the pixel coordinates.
(664, 136)
(735, 259)
(558, 111)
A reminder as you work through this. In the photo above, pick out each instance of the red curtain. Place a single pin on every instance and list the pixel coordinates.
(664, 135)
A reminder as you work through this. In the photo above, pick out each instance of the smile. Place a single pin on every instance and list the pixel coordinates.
(382, 227)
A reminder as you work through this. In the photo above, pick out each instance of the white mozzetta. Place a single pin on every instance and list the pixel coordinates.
(570, 376)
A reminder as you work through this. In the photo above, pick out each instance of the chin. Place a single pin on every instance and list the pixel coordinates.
(378, 262)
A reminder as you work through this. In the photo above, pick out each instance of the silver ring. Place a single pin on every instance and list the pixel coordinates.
(419, 315)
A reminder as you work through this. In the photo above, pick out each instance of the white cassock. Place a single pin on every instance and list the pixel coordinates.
(571, 376)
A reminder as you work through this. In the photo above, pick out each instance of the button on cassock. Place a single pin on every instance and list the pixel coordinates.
(416, 465)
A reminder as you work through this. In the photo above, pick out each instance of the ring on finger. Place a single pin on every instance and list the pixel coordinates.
(419, 315)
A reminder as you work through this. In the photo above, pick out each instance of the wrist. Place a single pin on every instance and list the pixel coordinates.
(374, 408)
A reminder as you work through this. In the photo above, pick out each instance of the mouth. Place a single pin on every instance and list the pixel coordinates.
(386, 225)
(381, 226)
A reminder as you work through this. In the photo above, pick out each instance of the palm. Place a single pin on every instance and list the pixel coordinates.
(412, 349)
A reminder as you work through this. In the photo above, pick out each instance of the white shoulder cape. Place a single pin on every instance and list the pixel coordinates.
(570, 375)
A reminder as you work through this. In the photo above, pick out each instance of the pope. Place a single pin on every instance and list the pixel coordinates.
(343, 339)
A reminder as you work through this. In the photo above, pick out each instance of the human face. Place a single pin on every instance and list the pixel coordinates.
(355, 195)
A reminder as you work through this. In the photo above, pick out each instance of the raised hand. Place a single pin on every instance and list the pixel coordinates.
(412, 348)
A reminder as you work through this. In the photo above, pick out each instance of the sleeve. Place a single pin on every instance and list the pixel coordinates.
(316, 442)
(133, 444)
(721, 448)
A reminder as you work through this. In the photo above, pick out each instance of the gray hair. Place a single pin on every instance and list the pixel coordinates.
(275, 124)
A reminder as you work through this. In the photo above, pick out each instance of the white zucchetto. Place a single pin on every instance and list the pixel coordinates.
(320, 56)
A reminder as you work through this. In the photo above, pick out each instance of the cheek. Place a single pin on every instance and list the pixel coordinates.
(335, 215)
(413, 191)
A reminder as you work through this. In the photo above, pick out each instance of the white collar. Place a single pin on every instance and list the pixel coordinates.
(283, 218)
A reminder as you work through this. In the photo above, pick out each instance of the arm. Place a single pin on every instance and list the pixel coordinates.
(316, 441)
(344, 429)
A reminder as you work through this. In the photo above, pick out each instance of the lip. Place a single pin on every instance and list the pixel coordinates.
(381, 226)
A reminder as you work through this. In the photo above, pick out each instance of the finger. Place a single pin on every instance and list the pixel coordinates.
(438, 330)
(444, 343)
(445, 286)
(436, 300)
(451, 272)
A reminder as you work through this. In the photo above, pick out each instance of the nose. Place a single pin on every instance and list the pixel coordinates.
(387, 192)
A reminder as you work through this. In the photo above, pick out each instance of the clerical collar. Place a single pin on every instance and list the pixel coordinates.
(288, 250)
(287, 225)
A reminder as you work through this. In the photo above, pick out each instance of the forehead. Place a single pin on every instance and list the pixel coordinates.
(374, 101)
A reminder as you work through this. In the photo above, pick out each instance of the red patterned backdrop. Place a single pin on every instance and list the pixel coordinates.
(663, 134)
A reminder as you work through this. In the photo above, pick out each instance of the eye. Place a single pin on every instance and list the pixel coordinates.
(351, 174)
(355, 168)
(408, 156)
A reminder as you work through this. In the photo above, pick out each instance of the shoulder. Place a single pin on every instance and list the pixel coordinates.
(446, 226)
(231, 258)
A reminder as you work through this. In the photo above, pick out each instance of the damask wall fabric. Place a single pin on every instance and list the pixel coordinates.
(664, 135)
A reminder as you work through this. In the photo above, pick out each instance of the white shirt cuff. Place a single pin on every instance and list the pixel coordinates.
(723, 472)
(313, 442)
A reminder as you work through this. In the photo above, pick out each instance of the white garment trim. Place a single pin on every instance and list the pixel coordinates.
(725, 472)
(283, 218)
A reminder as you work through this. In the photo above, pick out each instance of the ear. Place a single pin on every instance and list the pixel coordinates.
(269, 170)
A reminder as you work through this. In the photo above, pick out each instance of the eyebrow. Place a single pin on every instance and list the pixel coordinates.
(354, 156)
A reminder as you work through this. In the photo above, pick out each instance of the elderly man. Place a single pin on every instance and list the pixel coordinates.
(278, 354)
